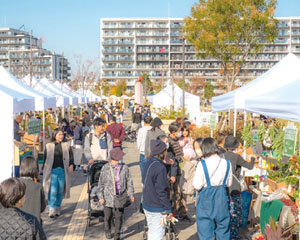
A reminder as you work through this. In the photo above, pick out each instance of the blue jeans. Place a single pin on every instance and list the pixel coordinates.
(56, 192)
(143, 162)
(155, 230)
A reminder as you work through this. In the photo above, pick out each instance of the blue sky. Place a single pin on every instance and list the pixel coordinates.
(73, 26)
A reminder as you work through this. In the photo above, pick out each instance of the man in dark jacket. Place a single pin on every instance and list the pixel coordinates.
(116, 132)
(237, 162)
(156, 199)
(179, 203)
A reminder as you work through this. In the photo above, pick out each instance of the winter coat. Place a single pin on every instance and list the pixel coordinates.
(105, 185)
(186, 179)
(48, 168)
(152, 135)
(34, 203)
(16, 224)
(93, 150)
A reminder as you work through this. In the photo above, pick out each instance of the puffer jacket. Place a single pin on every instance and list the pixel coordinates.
(105, 185)
(16, 224)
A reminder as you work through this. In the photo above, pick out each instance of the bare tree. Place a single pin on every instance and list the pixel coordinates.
(85, 75)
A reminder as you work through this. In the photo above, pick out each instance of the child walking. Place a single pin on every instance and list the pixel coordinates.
(114, 179)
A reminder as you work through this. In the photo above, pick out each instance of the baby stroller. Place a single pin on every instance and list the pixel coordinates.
(130, 135)
(95, 209)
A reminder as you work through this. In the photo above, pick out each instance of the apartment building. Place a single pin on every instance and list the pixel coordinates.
(131, 46)
(17, 55)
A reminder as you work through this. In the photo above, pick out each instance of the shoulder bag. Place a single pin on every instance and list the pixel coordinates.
(121, 200)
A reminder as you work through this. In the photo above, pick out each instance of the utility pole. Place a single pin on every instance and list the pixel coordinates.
(173, 87)
(30, 63)
(61, 71)
(183, 77)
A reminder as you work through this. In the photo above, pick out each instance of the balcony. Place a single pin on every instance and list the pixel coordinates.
(176, 25)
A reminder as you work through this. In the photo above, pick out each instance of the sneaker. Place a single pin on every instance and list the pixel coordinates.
(57, 212)
(108, 235)
(51, 213)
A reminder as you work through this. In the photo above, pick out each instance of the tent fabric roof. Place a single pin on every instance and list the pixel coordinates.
(20, 102)
(164, 99)
(68, 90)
(281, 103)
(61, 100)
(282, 73)
(42, 101)
(72, 100)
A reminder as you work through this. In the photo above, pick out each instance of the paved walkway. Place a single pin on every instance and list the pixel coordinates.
(73, 222)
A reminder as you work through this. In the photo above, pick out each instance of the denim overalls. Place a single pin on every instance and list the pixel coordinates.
(212, 212)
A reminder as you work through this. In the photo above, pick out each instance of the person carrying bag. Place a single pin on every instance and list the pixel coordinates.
(115, 191)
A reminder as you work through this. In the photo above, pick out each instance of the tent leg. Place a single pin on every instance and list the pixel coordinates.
(44, 127)
(234, 127)
(245, 119)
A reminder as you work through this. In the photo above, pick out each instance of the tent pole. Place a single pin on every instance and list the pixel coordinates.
(234, 127)
(44, 127)
(245, 119)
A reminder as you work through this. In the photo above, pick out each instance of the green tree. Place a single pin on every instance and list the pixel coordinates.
(208, 91)
(104, 85)
(121, 87)
(231, 31)
(147, 84)
(180, 84)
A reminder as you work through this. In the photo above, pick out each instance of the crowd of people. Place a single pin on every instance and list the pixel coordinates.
(175, 169)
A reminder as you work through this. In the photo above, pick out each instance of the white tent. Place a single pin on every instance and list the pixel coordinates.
(282, 73)
(42, 101)
(72, 100)
(61, 101)
(92, 96)
(11, 102)
(164, 99)
(68, 90)
(81, 98)
(281, 103)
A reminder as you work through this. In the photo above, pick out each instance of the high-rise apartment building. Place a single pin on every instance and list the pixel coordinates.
(23, 54)
(130, 47)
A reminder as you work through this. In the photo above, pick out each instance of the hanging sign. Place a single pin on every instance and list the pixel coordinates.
(34, 126)
(213, 121)
(289, 143)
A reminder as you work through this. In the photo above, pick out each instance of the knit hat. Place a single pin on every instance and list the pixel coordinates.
(157, 147)
(116, 154)
(231, 142)
(156, 122)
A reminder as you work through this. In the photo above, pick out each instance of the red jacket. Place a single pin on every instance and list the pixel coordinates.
(116, 131)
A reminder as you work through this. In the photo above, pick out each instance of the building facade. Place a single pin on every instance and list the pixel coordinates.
(23, 54)
(130, 47)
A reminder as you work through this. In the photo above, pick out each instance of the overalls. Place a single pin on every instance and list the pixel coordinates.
(212, 212)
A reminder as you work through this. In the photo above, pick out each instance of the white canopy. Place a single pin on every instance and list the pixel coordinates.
(42, 101)
(68, 90)
(72, 100)
(281, 103)
(164, 99)
(282, 73)
(93, 96)
(11, 102)
(15, 102)
(61, 100)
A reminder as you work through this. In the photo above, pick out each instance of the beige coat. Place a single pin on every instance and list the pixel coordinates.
(48, 168)
(186, 179)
